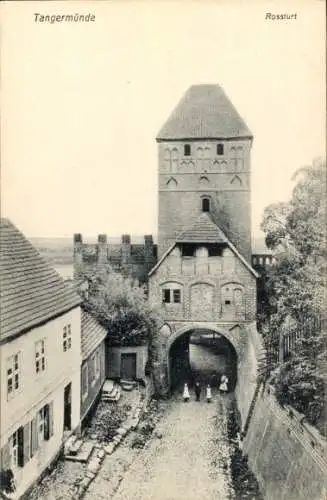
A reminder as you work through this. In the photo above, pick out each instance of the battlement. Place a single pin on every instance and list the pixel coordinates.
(129, 258)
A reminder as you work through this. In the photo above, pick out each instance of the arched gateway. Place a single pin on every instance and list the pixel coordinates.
(203, 278)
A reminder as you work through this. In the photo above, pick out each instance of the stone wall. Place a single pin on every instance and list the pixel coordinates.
(201, 278)
(287, 456)
(113, 360)
(130, 259)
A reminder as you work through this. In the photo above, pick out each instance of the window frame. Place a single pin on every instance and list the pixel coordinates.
(179, 293)
(166, 295)
(220, 149)
(97, 368)
(14, 376)
(66, 337)
(13, 447)
(85, 378)
(93, 370)
(173, 294)
(40, 358)
(205, 208)
(187, 150)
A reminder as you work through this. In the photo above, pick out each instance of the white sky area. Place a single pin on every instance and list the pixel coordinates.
(82, 103)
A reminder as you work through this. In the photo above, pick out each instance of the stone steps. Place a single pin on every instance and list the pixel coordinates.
(111, 392)
(128, 385)
(83, 453)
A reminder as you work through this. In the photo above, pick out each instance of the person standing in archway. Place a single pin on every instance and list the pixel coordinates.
(186, 393)
(223, 384)
(209, 395)
(197, 391)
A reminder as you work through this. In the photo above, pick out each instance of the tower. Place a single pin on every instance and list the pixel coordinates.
(204, 166)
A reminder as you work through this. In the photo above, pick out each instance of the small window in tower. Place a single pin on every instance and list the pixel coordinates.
(205, 205)
(187, 150)
(220, 149)
(227, 302)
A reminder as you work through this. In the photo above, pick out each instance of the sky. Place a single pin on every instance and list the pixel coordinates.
(82, 103)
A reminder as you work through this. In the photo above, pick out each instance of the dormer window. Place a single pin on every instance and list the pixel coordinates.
(220, 149)
(205, 205)
(187, 150)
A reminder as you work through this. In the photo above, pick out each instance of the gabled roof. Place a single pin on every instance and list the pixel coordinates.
(204, 230)
(31, 292)
(92, 334)
(204, 112)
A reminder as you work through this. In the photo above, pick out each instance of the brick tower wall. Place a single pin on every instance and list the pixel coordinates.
(224, 179)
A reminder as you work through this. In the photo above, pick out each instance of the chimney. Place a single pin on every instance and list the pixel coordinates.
(126, 255)
(102, 250)
(78, 255)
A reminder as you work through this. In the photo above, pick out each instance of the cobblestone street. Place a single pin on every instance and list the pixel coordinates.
(190, 460)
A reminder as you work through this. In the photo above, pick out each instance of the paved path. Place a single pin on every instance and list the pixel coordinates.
(191, 461)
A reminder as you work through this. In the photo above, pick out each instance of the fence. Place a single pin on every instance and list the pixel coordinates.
(280, 348)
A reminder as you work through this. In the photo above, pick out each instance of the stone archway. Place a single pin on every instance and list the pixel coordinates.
(233, 337)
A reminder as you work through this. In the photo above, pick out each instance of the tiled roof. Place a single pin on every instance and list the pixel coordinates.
(204, 230)
(92, 334)
(31, 292)
(204, 111)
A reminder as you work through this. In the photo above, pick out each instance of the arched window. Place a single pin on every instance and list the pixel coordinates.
(205, 204)
(220, 149)
(187, 150)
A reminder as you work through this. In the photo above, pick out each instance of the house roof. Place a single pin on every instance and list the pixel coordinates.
(204, 112)
(204, 230)
(92, 334)
(31, 291)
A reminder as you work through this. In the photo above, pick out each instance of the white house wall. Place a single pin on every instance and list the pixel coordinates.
(36, 390)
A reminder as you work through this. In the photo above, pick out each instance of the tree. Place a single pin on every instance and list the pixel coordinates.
(296, 286)
(121, 307)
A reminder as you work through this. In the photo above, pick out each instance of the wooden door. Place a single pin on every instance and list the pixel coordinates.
(68, 407)
(128, 366)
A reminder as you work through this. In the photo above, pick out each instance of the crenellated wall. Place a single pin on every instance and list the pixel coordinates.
(130, 259)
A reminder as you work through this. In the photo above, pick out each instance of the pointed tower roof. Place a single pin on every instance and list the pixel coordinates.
(204, 112)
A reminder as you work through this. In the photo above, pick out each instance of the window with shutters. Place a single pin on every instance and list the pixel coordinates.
(40, 356)
(13, 444)
(97, 365)
(13, 374)
(66, 338)
(43, 424)
(84, 382)
(92, 370)
(16, 448)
